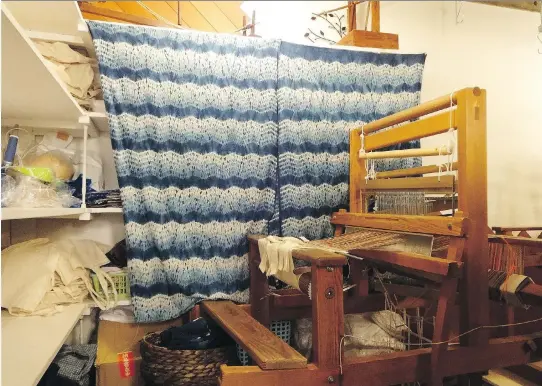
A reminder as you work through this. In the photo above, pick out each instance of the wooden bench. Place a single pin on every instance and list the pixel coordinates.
(523, 375)
(265, 348)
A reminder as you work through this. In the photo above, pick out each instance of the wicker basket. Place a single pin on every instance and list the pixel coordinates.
(161, 366)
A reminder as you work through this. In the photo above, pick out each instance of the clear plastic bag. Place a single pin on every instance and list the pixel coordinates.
(56, 160)
(8, 190)
(29, 192)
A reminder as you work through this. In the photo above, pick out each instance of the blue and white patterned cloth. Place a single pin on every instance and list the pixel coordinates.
(323, 93)
(203, 140)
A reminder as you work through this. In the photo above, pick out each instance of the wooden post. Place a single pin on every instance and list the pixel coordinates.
(359, 277)
(446, 302)
(253, 24)
(327, 315)
(259, 288)
(471, 138)
(194, 313)
(357, 174)
(351, 16)
(339, 229)
(244, 25)
(179, 19)
(375, 16)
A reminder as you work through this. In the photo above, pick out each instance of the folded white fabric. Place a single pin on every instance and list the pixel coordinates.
(363, 337)
(74, 69)
(39, 275)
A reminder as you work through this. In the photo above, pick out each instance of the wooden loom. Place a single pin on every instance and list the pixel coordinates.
(465, 266)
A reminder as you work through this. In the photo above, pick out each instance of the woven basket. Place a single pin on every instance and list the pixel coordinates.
(161, 366)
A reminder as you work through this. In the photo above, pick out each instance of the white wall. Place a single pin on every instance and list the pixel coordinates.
(493, 48)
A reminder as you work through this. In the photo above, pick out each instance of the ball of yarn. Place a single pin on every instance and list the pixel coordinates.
(61, 165)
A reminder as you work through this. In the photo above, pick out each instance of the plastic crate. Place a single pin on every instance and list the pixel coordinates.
(122, 284)
(282, 329)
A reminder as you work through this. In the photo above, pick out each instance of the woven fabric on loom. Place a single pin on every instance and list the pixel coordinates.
(362, 239)
(502, 257)
(506, 258)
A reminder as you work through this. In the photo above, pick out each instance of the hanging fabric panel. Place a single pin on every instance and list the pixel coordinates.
(323, 93)
(193, 120)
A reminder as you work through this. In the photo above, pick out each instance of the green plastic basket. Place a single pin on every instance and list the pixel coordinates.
(122, 285)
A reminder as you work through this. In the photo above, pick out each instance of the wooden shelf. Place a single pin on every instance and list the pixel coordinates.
(30, 343)
(59, 17)
(81, 213)
(33, 96)
(21, 213)
(50, 37)
(104, 210)
(100, 121)
(30, 91)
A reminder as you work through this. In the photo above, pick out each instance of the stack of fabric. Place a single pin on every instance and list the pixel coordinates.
(104, 199)
(196, 335)
(95, 199)
(72, 366)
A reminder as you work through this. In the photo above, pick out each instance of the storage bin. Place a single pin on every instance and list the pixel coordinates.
(281, 328)
(161, 366)
(121, 282)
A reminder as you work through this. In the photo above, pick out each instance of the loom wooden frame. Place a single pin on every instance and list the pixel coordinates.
(466, 264)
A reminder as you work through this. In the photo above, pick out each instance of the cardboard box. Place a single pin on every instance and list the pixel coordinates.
(118, 358)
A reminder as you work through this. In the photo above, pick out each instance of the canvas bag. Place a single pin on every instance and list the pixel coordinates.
(39, 275)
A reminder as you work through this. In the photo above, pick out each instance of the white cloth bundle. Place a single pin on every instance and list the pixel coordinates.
(74, 69)
(276, 257)
(276, 253)
(363, 337)
(39, 275)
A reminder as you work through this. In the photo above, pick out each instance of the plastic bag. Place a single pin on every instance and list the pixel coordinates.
(8, 190)
(56, 160)
(29, 192)
(73, 149)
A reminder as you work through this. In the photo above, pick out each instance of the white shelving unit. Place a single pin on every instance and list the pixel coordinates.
(34, 97)
(29, 344)
(22, 213)
(61, 21)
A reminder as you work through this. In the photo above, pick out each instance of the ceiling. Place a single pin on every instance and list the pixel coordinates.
(213, 16)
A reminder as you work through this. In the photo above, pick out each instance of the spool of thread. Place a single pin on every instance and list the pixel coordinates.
(11, 149)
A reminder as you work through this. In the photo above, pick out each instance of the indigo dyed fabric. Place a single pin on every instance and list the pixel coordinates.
(323, 93)
(193, 120)
(219, 136)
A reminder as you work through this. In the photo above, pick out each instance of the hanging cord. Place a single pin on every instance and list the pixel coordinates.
(452, 142)
(370, 171)
(362, 151)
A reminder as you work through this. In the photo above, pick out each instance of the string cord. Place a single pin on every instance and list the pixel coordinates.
(368, 172)
(452, 142)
